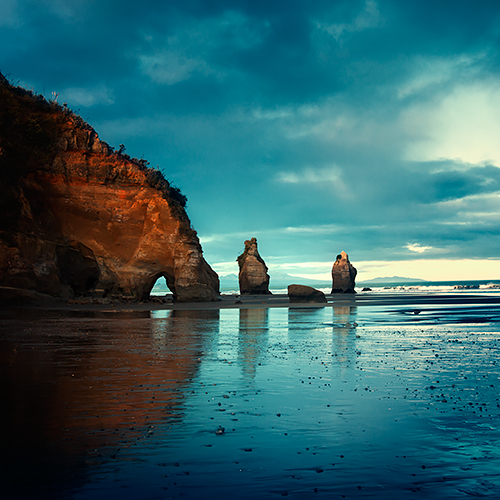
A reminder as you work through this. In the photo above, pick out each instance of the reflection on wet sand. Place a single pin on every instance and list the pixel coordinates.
(344, 332)
(308, 326)
(303, 318)
(71, 388)
(111, 405)
(170, 323)
(344, 317)
(253, 331)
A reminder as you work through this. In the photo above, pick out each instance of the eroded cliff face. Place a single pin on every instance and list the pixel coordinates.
(79, 218)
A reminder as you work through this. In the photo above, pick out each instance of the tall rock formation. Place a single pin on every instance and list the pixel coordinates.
(253, 275)
(343, 275)
(78, 217)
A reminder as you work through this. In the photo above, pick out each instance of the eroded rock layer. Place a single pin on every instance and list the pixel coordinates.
(343, 275)
(79, 218)
(253, 275)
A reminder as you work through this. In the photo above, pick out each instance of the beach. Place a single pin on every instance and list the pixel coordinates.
(385, 395)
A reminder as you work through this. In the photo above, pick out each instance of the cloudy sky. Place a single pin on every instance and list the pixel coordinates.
(369, 126)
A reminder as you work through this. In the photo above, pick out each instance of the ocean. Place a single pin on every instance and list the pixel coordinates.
(490, 286)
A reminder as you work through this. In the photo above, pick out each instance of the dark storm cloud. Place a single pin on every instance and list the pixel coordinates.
(363, 124)
(262, 53)
(453, 184)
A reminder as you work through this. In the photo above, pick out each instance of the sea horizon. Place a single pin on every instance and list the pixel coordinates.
(421, 286)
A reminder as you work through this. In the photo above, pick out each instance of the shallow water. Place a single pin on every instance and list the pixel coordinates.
(330, 402)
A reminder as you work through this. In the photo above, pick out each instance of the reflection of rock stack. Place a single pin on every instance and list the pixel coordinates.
(343, 275)
(253, 329)
(253, 276)
(344, 317)
(344, 328)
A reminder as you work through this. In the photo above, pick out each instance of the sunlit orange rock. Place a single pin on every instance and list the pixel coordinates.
(79, 218)
(253, 275)
(343, 275)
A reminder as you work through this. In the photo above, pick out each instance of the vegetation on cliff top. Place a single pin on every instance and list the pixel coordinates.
(30, 127)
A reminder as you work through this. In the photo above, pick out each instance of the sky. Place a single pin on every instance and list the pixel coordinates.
(369, 126)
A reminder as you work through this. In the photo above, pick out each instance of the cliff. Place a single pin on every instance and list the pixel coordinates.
(78, 218)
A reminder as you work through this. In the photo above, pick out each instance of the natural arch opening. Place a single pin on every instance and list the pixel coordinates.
(159, 285)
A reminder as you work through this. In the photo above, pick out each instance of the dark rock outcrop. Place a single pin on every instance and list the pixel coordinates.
(253, 275)
(343, 275)
(303, 293)
(77, 217)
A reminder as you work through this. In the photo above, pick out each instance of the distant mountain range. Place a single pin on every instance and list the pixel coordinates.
(278, 280)
(282, 280)
(230, 282)
(391, 279)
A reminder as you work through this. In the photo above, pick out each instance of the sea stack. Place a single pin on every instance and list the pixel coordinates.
(78, 219)
(253, 275)
(343, 275)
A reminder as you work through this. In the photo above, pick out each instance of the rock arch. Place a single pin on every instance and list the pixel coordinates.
(149, 283)
(125, 223)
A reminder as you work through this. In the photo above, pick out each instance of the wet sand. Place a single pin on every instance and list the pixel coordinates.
(391, 396)
(234, 301)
